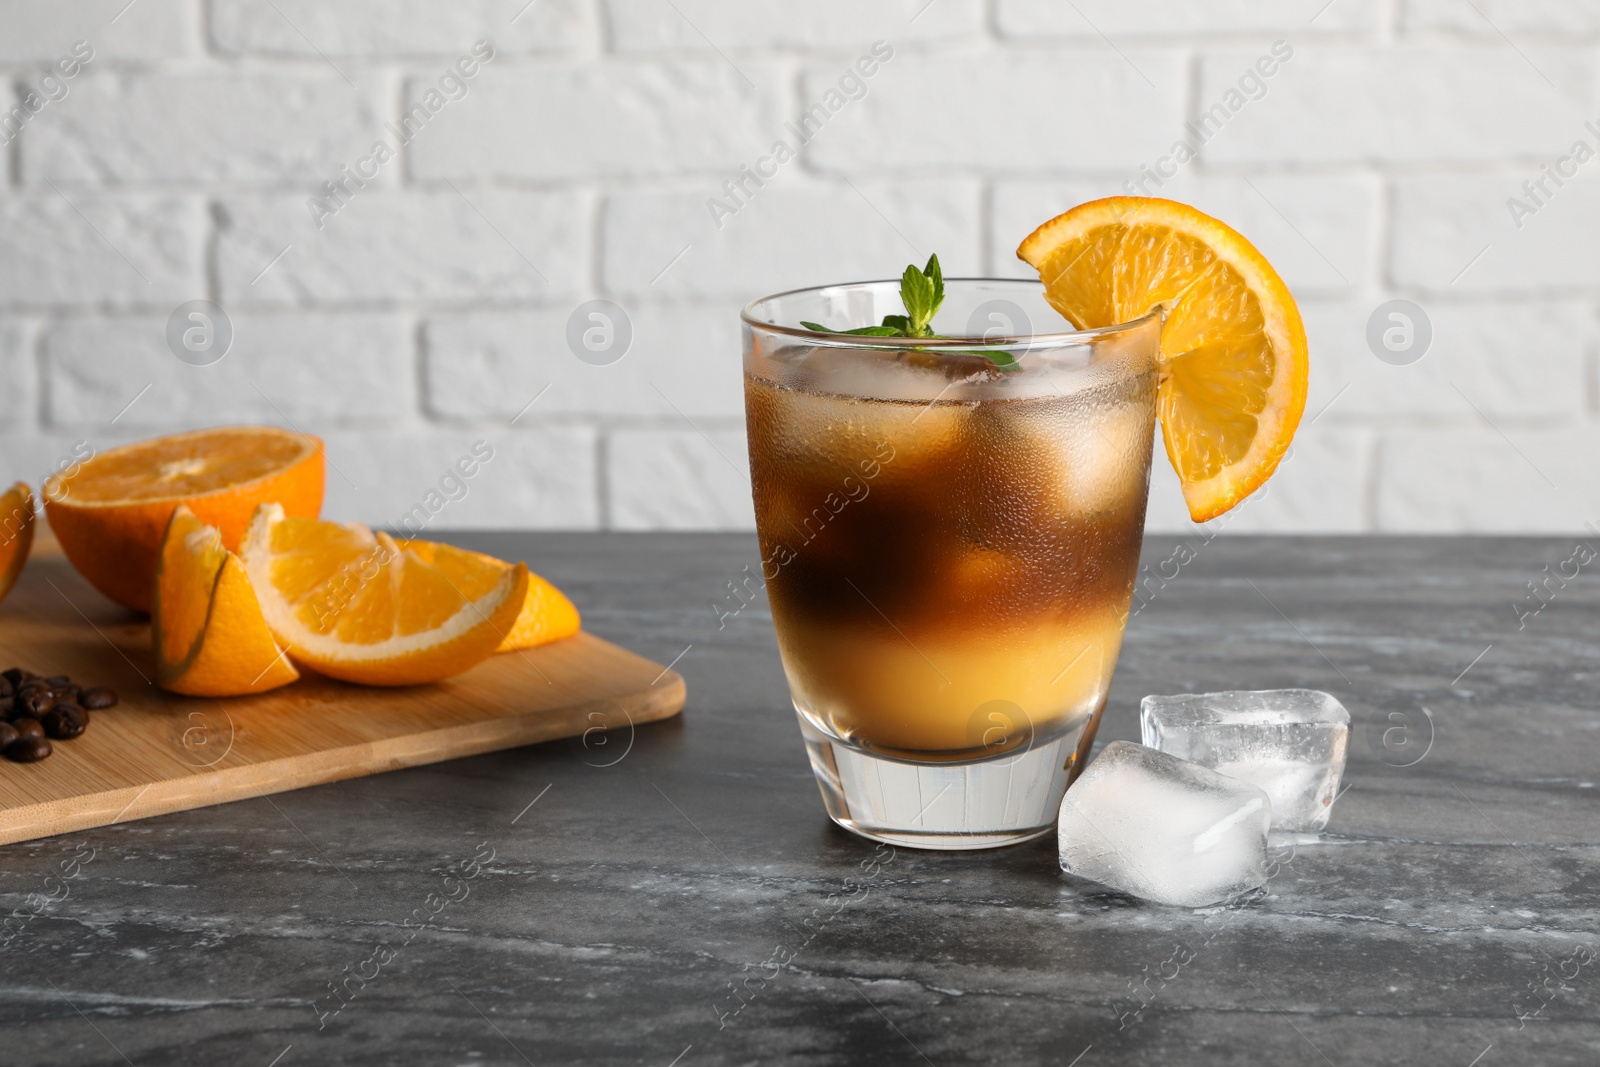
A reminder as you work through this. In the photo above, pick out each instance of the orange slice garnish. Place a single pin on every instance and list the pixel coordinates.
(1233, 348)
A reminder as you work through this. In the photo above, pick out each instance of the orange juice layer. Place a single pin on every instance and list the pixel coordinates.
(960, 690)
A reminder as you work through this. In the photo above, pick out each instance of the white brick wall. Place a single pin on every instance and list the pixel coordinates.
(430, 309)
(451, 246)
(190, 128)
(40, 31)
(395, 29)
(606, 117)
(785, 237)
(278, 368)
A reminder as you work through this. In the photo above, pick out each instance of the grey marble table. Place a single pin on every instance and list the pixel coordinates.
(678, 897)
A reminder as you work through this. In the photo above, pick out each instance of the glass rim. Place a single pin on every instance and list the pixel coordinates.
(749, 317)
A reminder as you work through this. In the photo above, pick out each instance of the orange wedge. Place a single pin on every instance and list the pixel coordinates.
(1233, 349)
(111, 510)
(358, 605)
(547, 615)
(16, 534)
(211, 639)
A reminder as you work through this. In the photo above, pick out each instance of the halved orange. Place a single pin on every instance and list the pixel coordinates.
(210, 636)
(16, 534)
(1233, 348)
(547, 615)
(358, 605)
(111, 510)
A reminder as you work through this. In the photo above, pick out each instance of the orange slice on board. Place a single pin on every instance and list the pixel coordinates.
(547, 615)
(1233, 348)
(110, 511)
(16, 534)
(211, 638)
(358, 605)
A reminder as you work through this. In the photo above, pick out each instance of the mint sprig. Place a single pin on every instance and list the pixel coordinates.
(922, 292)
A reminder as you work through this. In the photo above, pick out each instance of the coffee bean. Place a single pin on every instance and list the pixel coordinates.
(16, 675)
(28, 728)
(8, 734)
(27, 749)
(65, 722)
(6, 688)
(98, 698)
(67, 694)
(36, 702)
(56, 681)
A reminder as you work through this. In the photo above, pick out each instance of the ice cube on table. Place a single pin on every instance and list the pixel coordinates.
(1164, 829)
(1290, 742)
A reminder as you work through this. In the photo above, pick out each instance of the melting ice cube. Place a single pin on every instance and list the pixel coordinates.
(1290, 742)
(1164, 829)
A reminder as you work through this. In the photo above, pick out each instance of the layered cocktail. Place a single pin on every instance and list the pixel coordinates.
(950, 532)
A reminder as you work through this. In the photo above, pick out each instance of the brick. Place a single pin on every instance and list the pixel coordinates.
(300, 367)
(537, 479)
(1506, 358)
(703, 25)
(218, 127)
(1455, 233)
(1320, 487)
(1563, 19)
(471, 244)
(1025, 112)
(42, 31)
(380, 28)
(1477, 481)
(785, 236)
(491, 365)
(19, 379)
(1317, 231)
(123, 250)
(1393, 105)
(679, 479)
(1030, 19)
(604, 119)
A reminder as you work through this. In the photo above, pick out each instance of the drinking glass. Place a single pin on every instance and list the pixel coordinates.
(950, 532)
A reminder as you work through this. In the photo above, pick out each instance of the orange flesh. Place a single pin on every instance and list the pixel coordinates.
(364, 588)
(183, 466)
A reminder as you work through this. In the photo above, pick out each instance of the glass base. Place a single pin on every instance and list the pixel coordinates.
(986, 803)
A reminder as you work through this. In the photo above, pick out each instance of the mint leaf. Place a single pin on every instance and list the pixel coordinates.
(917, 294)
(1001, 359)
(922, 292)
(862, 331)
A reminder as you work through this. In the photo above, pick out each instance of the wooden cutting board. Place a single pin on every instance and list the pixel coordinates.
(157, 752)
